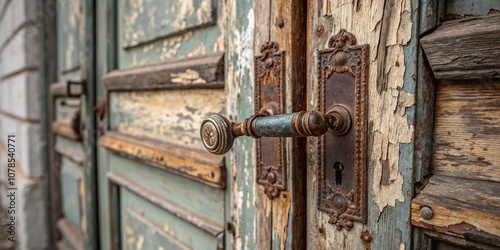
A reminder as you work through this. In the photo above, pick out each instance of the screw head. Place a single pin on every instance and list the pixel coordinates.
(426, 212)
(281, 23)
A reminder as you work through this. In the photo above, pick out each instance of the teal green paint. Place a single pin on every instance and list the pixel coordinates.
(66, 143)
(179, 43)
(91, 234)
(105, 40)
(242, 182)
(156, 19)
(182, 230)
(68, 38)
(190, 194)
(71, 177)
(139, 235)
(471, 7)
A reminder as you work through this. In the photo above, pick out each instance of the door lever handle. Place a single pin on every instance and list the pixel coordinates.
(218, 133)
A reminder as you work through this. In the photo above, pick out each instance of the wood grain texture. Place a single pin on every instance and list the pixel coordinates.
(199, 72)
(176, 36)
(151, 20)
(172, 116)
(71, 235)
(198, 165)
(263, 205)
(465, 208)
(290, 209)
(140, 233)
(465, 49)
(466, 132)
(187, 232)
(389, 28)
(192, 196)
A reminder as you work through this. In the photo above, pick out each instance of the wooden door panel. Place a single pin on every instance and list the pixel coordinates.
(71, 187)
(69, 30)
(155, 31)
(168, 115)
(175, 229)
(68, 142)
(166, 191)
(188, 195)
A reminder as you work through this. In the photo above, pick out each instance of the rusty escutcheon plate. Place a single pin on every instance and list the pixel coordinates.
(268, 95)
(343, 77)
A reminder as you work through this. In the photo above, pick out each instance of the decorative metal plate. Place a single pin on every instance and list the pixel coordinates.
(343, 77)
(268, 95)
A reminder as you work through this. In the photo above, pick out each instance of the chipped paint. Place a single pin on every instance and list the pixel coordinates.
(171, 116)
(387, 27)
(140, 242)
(188, 77)
(239, 79)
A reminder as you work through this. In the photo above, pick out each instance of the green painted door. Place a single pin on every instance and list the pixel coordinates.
(160, 71)
(73, 168)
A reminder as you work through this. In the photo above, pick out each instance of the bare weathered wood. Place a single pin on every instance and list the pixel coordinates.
(465, 49)
(460, 207)
(70, 233)
(198, 165)
(65, 130)
(288, 28)
(204, 223)
(199, 72)
(466, 132)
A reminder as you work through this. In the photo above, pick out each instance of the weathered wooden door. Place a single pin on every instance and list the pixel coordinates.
(73, 186)
(160, 69)
(371, 50)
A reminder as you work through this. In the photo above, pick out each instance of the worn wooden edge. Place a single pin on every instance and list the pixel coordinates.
(203, 223)
(458, 215)
(454, 240)
(199, 72)
(70, 233)
(448, 62)
(173, 240)
(70, 154)
(66, 131)
(195, 164)
(58, 89)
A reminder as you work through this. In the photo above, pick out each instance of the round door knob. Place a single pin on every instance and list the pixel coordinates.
(218, 133)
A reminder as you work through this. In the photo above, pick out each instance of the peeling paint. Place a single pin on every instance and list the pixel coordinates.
(188, 77)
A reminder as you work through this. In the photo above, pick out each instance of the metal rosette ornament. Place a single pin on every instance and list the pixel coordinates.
(216, 134)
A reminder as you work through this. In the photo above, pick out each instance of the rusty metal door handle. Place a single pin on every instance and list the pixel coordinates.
(218, 133)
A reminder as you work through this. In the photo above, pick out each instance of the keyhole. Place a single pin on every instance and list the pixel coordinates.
(338, 172)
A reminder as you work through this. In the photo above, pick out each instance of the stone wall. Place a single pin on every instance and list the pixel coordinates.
(20, 109)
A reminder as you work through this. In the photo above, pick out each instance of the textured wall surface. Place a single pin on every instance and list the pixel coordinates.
(20, 116)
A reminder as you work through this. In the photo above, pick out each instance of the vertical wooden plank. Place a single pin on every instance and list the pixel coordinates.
(240, 196)
(48, 69)
(288, 28)
(263, 205)
(90, 223)
(389, 28)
